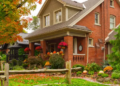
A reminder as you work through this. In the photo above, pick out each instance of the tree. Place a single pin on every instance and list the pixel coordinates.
(11, 22)
(114, 57)
(35, 24)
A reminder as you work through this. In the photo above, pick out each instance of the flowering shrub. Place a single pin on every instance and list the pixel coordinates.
(61, 52)
(38, 48)
(27, 49)
(108, 68)
(59, 47)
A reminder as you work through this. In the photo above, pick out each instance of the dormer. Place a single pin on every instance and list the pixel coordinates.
(58, 11)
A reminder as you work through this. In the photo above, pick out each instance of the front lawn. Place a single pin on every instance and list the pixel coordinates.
(37, 80)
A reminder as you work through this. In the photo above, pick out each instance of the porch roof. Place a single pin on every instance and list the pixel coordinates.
(55, 28)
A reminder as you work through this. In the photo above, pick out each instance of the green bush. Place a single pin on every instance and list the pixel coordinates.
(116, 75)
(18, 68)
(103, 75)
(35, 60)
(92, 67)
(79, 65)
(14, 62)
(90, 72)
(79, 72)
(25, 65)
(3, 56)
(56, 61)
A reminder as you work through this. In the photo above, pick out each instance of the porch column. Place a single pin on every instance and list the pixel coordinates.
(69, 49)
(32, 49)
(86, 49)
(43, 45)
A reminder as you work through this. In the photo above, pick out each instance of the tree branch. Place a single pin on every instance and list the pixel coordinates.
(22, 3)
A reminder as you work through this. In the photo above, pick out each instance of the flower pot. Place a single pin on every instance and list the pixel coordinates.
(63, 47)
(27, 52)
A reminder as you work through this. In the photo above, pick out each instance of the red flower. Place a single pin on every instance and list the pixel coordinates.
(63, 44)
(59, 47)
(27, 49)
(38, 48)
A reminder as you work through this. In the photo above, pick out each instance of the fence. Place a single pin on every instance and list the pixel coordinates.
(5, 74)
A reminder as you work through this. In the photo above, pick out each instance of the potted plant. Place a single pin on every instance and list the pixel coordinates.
(48, 65)
(26, 50)
(38, 48)
(63, 45)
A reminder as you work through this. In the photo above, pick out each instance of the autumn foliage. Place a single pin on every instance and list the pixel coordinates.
(11, 20)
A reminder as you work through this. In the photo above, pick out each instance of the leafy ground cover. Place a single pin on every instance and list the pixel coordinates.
(37, 80)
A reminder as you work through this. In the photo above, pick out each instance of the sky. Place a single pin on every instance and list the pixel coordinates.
(35, 12)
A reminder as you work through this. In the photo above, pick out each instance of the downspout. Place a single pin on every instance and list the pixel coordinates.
(88, 50)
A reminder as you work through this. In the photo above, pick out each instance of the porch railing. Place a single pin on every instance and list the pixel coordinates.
(78, 58)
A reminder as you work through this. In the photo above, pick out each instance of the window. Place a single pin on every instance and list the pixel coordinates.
(112, 22)
(90, 42)
(58, 16)
(47, 20)
(97, 18)
(111, 3)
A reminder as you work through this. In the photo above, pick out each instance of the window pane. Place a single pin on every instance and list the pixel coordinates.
(58, 15)
(47, 20)
(96, 17)
(90, 41)
(112, 22)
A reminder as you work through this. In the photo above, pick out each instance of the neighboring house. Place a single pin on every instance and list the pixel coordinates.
(23, 44)
(84, 24)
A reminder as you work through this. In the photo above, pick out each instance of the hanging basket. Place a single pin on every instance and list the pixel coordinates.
(63, 47)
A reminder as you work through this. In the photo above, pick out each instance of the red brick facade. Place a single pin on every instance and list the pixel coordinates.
(91, 54)
(100, 31)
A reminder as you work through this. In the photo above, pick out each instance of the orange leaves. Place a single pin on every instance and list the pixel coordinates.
(19, 38)
(40, 1)
(8, 19)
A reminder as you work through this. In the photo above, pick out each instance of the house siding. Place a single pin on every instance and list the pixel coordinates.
(52, 6)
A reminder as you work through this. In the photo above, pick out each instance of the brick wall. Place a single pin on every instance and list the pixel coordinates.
(100, 31)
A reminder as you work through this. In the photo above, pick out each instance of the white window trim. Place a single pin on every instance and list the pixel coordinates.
(92, 43)
(98, 19)
(44, 20)
(75, 46)
(113, 4)
(114, 21)
(54, 16)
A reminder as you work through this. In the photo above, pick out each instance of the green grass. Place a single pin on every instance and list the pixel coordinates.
(36, 80)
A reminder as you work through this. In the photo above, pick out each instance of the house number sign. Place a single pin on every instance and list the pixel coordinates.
(80, 48)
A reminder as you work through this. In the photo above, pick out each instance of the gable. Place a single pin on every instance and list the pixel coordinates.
(49, 6)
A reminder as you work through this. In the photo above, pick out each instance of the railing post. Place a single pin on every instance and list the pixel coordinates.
(68, 74)
(6, 83)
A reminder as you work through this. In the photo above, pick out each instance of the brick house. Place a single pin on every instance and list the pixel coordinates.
(85, 27)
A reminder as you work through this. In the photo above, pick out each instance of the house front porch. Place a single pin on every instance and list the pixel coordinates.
(76, 39)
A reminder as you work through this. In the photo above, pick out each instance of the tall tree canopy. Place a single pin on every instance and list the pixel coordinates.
(34, 24)
(11, 22)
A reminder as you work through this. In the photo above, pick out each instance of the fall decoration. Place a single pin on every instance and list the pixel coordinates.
(47, 63)
(48, 53)
(61, 52)
(85, 71)
(54, 52)
(101, 71)
(63, 45)
(108, 68)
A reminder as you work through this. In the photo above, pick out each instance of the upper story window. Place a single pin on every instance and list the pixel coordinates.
(111, 3)
(112, 22)
(90, 42)
(97, 18)
(58, 16)
(47, 20)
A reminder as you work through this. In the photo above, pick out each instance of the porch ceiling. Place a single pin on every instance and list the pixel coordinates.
(75, 30)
